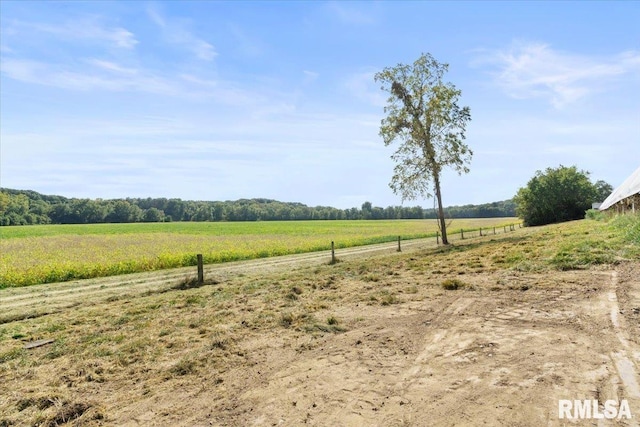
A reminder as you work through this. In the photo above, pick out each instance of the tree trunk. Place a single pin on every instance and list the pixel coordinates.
(443, 224)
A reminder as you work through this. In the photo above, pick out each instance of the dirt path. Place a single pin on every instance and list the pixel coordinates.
(462, 358)
(626, 355)
(33, 301)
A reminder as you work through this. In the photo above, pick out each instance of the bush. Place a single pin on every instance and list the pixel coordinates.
(594, 214)
(453, 284)
(557, 195)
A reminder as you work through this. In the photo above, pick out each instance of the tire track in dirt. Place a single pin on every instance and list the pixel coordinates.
(622, 358)
(478, 358)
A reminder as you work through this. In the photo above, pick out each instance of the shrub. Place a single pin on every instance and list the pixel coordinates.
(453, 284)
(594, 214)
(557, 195)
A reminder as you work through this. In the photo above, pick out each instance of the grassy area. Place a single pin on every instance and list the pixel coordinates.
(53, 253)
(576, 245)
(164, 339)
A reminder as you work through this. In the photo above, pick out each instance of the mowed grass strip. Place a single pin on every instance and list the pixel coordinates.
(54, 253)
(109, 356)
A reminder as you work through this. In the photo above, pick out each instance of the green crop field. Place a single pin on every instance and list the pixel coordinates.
(32, 255)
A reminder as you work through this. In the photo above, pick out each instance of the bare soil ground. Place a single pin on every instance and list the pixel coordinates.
(372, 341)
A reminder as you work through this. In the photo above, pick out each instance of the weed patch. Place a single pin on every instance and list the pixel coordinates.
(67, 413)
(388, 299)
(185, 366)
(296, 320)
(193, 283)
(582, 254)
(453, 284)
(12, 354)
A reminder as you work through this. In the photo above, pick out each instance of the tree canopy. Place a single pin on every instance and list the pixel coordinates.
(603, 189)
(423, 114)
(556, 195)
(20, 207)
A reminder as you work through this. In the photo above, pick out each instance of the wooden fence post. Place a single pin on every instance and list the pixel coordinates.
(333, 253)
(399, 250)
(461, 234)
(505, 228)
(494, 230)
(200, 269)
(480, 231)
(437, 237)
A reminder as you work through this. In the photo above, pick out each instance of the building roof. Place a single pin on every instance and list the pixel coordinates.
(628, 188)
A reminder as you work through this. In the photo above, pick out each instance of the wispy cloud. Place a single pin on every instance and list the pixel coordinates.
(111, 66)
(257, 100)
(247, 44)
(535, 70)
(176, 32)
(76, 78)
(310, 76)
(83, 29)
(362, 86)
(142, 156)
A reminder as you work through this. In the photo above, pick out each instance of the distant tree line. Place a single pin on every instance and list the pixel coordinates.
(23, 207)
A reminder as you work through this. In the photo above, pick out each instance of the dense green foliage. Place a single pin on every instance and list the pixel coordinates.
(555, 195)
(603, 189)
(595, 215)
(424, 116)
(19, 207)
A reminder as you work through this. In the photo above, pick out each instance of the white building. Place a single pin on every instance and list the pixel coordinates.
(626, 197)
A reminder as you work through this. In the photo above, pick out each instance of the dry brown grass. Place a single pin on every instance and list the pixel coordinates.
(125, 350)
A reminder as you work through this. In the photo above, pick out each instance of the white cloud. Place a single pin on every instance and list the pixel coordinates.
(83, 29)
(131, 156)
(535, 70)
(121, 37)
(363, 86)
(71, 77)
(257, 100)
(246, 44)
(177, 33)
(310, 76)
(200, 81)
(111, 66)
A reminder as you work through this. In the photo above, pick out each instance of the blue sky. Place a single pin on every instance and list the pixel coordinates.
(228, 100)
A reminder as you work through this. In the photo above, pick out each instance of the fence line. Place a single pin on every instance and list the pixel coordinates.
(512, 227)
(399, 248)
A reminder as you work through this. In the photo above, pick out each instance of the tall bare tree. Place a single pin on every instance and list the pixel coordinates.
(423, 114)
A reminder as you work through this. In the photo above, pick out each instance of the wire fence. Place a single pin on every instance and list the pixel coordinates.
(434, 240)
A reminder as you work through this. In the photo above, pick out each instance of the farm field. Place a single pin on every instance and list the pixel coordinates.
(489, 331)
(54, 253)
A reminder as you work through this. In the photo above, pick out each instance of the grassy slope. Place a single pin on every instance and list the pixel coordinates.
(54, 253)
(161, 340)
